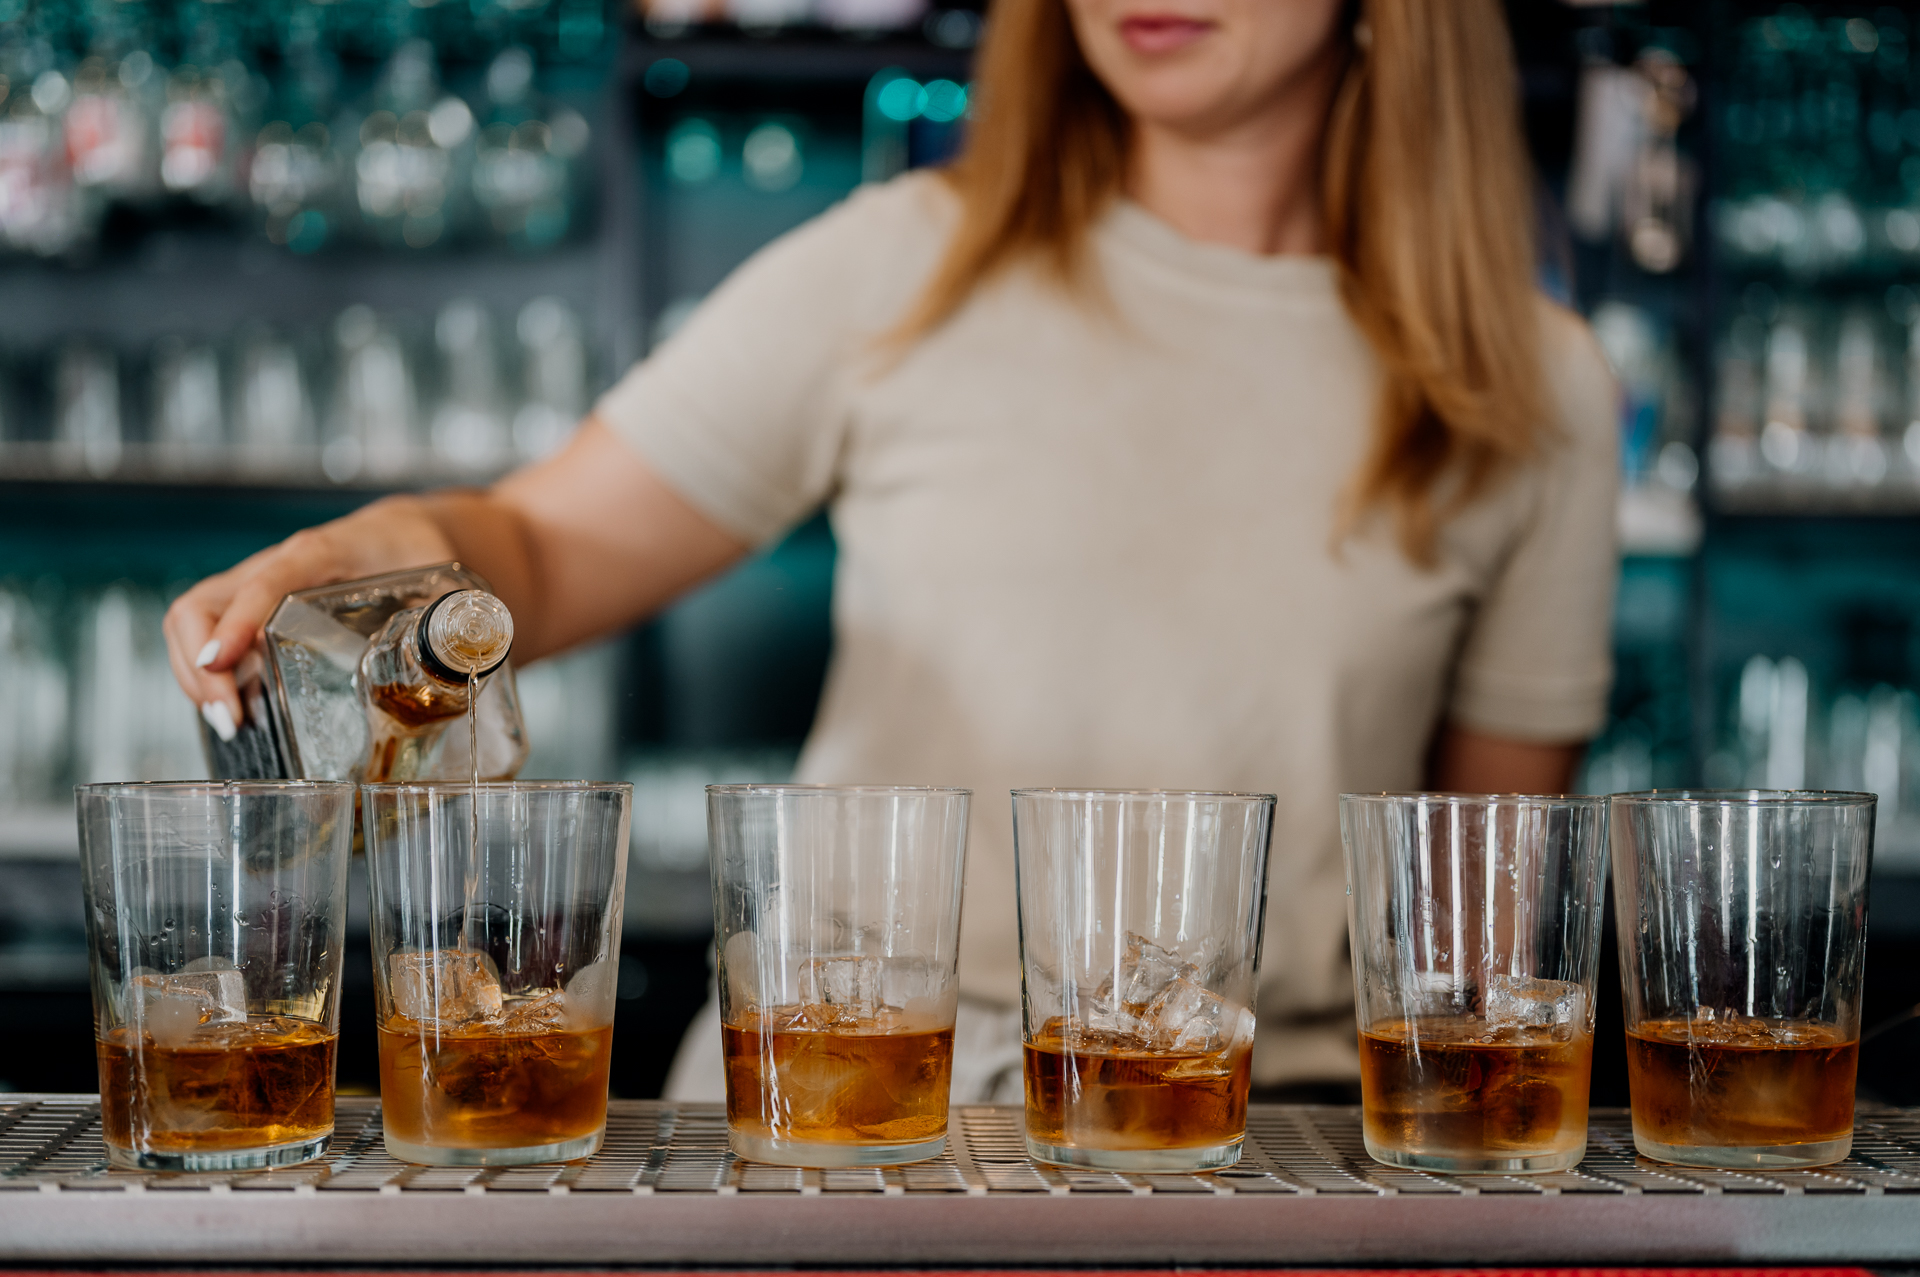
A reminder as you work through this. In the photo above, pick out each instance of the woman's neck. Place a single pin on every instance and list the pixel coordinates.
(1254, 184)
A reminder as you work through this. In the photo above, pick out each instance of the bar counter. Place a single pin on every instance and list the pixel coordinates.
(665, 1189)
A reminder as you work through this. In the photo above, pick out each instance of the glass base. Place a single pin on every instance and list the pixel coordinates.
(1487, 1164)
(224, 1159)
(524, 1155)
(779, 1152)
(1754, 1157)
(1210, 1158)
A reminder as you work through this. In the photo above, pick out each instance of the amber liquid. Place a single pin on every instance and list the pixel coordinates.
(1741, 1084)
(786, 1081)
(1458, 1088)
(234, 1086)
(482, 1088)
(1095, 1090)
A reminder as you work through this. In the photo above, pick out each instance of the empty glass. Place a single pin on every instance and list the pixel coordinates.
(836, 912)
(215, 916)
(1140, 916)
(1742, 918)
(496, 948)
(1475, 926)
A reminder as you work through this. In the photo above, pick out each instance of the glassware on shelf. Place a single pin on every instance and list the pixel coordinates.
(411, 172)
(189, 423)
(87, 434)
(215, 924)
(274, 417)
(496, 943)
(372, 431)
(33, 704)
(1742, 928)
(526, 155)
(553, 376)
(470, 430)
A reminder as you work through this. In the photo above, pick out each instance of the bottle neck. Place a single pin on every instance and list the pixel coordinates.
(464, 635)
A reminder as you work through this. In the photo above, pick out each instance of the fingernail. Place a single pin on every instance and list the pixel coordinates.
(219, 718)
(208, 654)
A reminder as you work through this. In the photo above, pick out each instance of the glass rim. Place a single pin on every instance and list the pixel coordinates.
(1763, 798)
(785, 788)
(1390, 797)
(494, 786)
(1142, 795)
(213, 787)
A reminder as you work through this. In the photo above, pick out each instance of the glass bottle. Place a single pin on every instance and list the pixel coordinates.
(362, 680)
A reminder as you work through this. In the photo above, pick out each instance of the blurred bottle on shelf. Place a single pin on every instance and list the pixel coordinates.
(372, 434)
(189, 426)
(129, 722)
(411, 174)
(1816, 400)
(1629, 179)
(475, 402)
(526, 155)
(87, 432)
(33, 703)
(39, 210)
(274, 420)
(1659, 470)
(1781, 729)
(470, 426)
(553, 364)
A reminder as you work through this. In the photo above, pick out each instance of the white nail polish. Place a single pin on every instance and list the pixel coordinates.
(220, 719)
(208, 654)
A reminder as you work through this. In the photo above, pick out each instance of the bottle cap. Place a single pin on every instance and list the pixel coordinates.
(467, 633)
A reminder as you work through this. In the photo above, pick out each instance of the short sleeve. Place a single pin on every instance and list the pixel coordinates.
(743, 410)
(1537, 662)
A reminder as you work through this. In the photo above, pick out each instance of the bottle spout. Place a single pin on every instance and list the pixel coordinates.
(467, 633)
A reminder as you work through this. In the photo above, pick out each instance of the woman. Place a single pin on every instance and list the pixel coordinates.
(1201, 427)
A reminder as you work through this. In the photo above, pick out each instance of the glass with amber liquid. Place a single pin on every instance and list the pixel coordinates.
(1138, 992)
(1475, 929)
(496, 940)
(838, 917)
(1742, 924)
(216, 915)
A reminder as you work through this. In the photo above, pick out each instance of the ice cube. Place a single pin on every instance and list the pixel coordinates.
(851, 985)
(1146, 969)
(445, 988)
(1188, 1016)
(1524, 1002)
(536, 1011)
(172, 1009)
(589, 995)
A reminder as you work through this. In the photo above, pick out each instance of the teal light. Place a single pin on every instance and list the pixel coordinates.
(902, 99)
(945, 101)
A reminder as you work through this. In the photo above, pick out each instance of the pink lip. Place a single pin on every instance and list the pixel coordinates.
(1161, 32)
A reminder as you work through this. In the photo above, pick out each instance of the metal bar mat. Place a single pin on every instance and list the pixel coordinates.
(52, 1143)
(666, 1190)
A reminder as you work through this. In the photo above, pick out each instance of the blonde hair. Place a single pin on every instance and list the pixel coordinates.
(1427, 209)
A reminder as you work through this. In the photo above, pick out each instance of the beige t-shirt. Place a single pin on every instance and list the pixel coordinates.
(1095, 549)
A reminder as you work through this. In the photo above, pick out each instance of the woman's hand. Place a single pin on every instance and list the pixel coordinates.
(581, 544)
(211, 626)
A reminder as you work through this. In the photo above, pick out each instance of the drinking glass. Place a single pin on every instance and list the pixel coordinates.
(215, 917)
(836, 911)
(496, 946)
(1474, 921)
(1140, 918)
(1742, 918)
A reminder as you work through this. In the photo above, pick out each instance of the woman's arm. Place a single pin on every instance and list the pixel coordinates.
(581, 544)
(1467, 762)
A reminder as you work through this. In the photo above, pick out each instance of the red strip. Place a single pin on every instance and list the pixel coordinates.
(1001, 1272)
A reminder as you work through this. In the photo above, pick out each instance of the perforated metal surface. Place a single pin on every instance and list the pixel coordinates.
(665, 1188)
